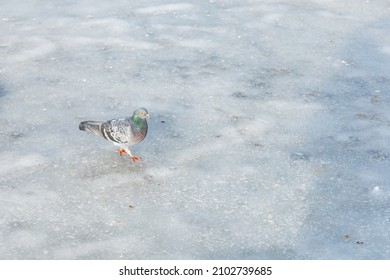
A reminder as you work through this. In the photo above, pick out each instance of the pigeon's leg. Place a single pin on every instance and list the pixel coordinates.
(127, 152)
(121, 152)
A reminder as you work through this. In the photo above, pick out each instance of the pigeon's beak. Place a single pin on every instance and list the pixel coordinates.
(147, 116)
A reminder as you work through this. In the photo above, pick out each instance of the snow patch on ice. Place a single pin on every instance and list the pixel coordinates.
(12, 163)
(166, 8)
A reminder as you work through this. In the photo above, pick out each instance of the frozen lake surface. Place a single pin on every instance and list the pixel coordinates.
(269, 136)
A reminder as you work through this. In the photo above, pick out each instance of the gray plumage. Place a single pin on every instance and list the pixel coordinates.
(124, 132)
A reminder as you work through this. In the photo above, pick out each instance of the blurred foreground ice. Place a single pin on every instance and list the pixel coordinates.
(269, 136)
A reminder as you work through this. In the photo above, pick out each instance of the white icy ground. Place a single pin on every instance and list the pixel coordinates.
(269, 136)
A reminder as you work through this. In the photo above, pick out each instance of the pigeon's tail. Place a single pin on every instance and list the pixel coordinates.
(91, 126)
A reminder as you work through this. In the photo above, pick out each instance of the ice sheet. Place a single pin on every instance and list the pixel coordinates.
(268, 139)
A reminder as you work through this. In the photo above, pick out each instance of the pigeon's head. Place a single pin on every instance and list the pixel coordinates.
(142, 113)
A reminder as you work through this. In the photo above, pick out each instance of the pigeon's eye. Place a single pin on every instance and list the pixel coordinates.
(142, 113)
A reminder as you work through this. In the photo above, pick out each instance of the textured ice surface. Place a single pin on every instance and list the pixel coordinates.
(269, 136)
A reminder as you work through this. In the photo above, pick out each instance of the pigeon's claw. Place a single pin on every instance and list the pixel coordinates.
(121, 152)
(135, 158)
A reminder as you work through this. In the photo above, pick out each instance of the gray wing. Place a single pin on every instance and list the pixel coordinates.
(117, 131)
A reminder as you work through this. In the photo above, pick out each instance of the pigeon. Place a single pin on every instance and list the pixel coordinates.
(123, 132)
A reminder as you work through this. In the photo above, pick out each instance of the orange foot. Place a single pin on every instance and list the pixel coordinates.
(121, 152)
(135, 158)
